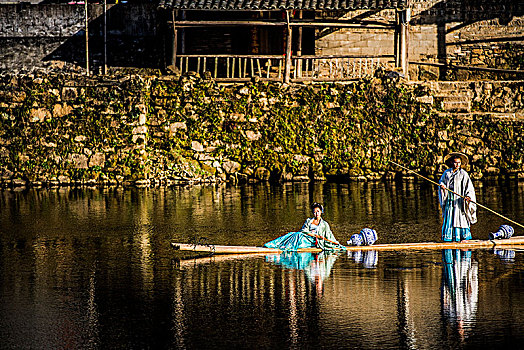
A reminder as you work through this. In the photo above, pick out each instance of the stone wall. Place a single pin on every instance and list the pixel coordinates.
(156, 130)
(53, 36)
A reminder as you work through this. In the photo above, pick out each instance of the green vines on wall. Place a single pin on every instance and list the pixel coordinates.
(135, 128)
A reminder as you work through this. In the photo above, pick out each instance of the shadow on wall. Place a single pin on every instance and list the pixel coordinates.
(464, 13)
(131, 39)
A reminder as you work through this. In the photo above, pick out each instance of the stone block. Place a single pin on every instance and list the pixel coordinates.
(142, 118)
(197, 146)
(139, 139)
(69, 93)
(61, 110)
(425, 99)
(140, 130)
(231, 167)
(262, 173)
(79, 161)
(253, 136)
(300, 178)
(97, 159)
(64, 180)
(174, 127)
(39, 114)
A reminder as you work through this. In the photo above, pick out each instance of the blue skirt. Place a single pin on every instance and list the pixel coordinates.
(450, 233)
(292, 241)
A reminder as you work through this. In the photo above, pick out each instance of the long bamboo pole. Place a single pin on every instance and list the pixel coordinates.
(455, 193)
(513, 243)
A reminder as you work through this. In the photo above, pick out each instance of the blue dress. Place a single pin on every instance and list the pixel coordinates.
(293, 241)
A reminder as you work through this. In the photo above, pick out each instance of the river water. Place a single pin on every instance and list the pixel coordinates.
(93, 268)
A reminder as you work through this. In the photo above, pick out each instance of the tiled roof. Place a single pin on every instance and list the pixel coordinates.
(257, 5)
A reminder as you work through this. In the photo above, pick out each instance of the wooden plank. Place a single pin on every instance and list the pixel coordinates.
(472, 244)
(278, 57)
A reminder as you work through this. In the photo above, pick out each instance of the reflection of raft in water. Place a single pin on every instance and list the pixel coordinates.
(472, 244)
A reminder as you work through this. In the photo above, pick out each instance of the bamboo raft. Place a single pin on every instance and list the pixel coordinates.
(471, 244)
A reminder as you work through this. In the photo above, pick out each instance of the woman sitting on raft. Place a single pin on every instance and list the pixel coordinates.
(315, 233)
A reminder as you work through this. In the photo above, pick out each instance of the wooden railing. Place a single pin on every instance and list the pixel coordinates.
(272, 67)
(337, 67)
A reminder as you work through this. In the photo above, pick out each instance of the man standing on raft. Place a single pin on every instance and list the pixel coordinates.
(457, 213)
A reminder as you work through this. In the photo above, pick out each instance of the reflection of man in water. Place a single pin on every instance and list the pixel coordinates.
(460, 288)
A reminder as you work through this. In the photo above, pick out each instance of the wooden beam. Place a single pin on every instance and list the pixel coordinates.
(341, 24)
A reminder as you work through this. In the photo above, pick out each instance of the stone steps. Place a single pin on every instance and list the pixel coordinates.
(454, 96)
(454, 103)
(492, 115)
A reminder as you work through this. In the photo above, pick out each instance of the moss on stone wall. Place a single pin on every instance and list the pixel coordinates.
(156, 130)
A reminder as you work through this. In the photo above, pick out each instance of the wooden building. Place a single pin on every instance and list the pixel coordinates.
(283, 39)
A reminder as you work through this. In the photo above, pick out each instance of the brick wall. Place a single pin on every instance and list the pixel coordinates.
(460, 32)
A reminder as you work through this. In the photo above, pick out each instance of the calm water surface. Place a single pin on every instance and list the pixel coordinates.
(94, 269)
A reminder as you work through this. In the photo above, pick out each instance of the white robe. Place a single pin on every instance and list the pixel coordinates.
(459, 182)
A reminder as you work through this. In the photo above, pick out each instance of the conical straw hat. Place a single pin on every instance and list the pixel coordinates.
(449, 158)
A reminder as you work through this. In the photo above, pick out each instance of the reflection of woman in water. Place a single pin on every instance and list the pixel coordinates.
(460, 288)
(317, 266)
(314, 233)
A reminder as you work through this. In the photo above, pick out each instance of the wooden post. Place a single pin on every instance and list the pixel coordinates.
(183, 35)
(287, 65)
(105, 37)
(299, 49)
(175, 40)
(401, 59)
(87, 36)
